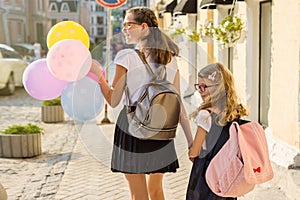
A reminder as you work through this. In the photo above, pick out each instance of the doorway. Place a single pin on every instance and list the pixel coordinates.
(264, 60)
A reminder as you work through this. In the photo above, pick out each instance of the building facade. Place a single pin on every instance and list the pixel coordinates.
(265, 65)
(28, 21)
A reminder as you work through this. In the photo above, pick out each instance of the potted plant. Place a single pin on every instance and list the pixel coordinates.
(194, 36)
(52, 111)
(207, 31)
(176, 32)
(229, 31)
(21, 141)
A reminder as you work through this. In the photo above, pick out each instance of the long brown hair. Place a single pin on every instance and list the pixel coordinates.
(157, 43)
(224, 96)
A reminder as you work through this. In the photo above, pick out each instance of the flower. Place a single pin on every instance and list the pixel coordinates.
(207, 30)
(176, 29)
(193, 35)
(229, 31)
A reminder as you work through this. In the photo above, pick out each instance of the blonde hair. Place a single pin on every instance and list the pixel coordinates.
(224, 96)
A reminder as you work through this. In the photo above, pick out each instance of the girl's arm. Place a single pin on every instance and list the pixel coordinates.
(197, 143)
(184, 120)
(113, 94)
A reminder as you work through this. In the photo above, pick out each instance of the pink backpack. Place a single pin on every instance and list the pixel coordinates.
(241, 163)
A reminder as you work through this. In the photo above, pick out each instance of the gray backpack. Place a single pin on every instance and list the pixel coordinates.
(157, 111)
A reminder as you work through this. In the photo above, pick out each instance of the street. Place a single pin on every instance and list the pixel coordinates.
(37, 177)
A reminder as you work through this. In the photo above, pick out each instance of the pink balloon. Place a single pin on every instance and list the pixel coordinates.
(40, 83)
(69, 60)
(94, 76)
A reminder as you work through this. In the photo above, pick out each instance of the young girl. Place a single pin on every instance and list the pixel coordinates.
(134, 157)
(219, 108)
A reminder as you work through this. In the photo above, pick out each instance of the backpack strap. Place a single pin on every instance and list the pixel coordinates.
(143, 58)
(126, 89)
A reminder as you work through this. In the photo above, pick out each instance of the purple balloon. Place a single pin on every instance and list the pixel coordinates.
(40, 83)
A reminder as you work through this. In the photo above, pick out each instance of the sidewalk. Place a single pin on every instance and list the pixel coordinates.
(90, 166)
(76, 163)
(88, 174)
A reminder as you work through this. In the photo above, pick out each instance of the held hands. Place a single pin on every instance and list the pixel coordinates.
(193, 153)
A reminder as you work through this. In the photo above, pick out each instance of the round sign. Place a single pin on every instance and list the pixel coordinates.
(111, 3)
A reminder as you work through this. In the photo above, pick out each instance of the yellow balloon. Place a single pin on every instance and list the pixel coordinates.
(67, 30)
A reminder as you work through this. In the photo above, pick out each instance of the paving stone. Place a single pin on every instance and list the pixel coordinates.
(75, 163)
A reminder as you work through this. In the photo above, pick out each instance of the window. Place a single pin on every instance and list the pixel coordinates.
(9, 54)
(99, 8)
(40, 5)
(64, 7)
(53, 22)
(20, 28)
(100, 20)
(100, 31)
(53, 7)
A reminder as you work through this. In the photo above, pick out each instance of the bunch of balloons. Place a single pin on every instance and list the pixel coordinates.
(66, 72)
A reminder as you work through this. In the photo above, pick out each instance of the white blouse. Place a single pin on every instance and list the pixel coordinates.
(137, 74)
(203, 120)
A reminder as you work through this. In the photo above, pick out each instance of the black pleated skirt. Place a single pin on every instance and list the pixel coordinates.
(135, 156)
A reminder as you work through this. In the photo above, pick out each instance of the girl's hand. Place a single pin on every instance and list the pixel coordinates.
(191, 159)
(96, 70)
(193, 153)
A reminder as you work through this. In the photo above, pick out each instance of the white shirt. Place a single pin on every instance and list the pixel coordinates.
(137, 74)
(203, 120)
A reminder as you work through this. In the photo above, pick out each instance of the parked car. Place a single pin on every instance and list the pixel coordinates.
(25, 50)
(12, 66)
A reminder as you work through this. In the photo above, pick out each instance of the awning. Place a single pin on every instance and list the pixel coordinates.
(212, 4)
(186, 6)
(169, 6)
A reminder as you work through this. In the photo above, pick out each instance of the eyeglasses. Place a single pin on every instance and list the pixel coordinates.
(127, 25)
(202, 87)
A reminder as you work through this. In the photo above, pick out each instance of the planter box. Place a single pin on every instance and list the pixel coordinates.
(52, 114)
(20, 146)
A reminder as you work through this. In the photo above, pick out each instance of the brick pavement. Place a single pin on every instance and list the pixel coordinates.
(88, 174)
(76, 157)
(38, 177)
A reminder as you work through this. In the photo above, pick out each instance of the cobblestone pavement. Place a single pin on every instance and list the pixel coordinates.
(38, 177)
(76, 159)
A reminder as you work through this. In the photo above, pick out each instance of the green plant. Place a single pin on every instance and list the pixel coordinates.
(52, 102)
(208, 29)
(175, 29)
(194, 36)
(22, 129)
(229, 31)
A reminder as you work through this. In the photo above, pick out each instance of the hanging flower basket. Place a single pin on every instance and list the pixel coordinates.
(229, 31)
(207, 32)
(193, 35)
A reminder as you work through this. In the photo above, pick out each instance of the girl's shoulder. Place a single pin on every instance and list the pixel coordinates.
(125, 52)
(126, 57)
(203, 119)
(204, 112)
